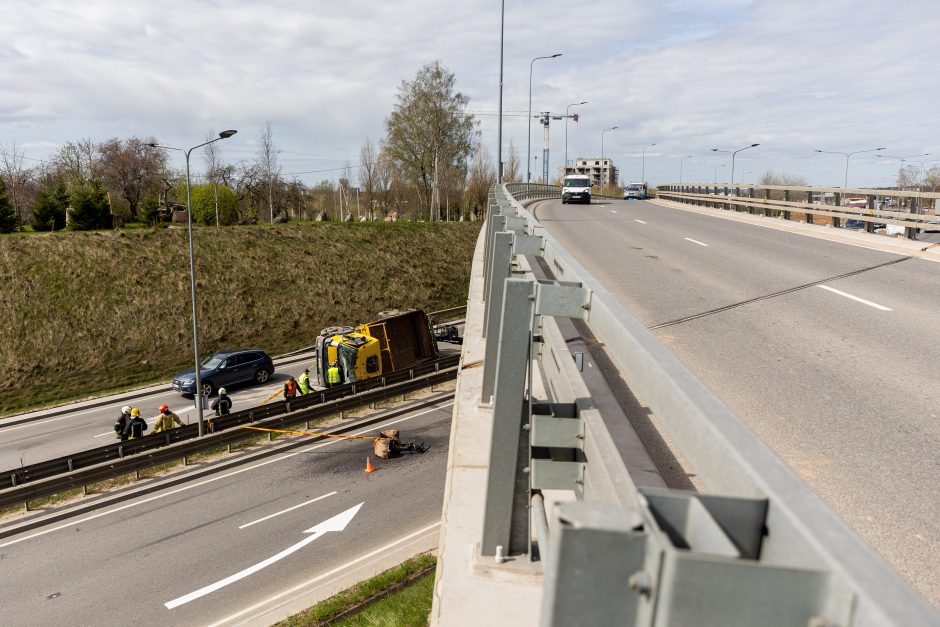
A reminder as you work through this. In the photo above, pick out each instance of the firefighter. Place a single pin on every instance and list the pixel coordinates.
(290, 389)
(166, 420)
(332, 374)
(304, 382)
(222, 407)
(121, 422)
(136, 427)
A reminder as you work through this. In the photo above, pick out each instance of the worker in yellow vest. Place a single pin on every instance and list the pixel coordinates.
(332, 374)
(304, 381)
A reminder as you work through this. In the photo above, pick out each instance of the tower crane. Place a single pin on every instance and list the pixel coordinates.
(544, 119)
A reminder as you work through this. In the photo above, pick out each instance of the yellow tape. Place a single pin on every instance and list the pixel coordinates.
(315, 434)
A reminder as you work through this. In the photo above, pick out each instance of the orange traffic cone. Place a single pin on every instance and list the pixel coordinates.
(369, 466)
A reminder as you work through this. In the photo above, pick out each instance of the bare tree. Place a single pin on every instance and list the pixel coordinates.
(212, 157)
(908, 177)
(481, 178)
(132, 168)
(15, 176)
(511, 170)
(368, 176)
(78, 162)
(269, 163)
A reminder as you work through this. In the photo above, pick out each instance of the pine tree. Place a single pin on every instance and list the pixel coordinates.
(49, 212)
(89, 208)
(8, 221)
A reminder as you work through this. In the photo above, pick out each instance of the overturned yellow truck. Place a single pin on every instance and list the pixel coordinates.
(396, 340)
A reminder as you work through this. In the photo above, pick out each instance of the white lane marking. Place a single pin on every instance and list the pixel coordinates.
(336, 523)
(211, 480)
(101, 435)
(695, 241)
(613, 211)
(855, 298)
(228, 620)
(640, 221)
(39, 423)
(284, 511)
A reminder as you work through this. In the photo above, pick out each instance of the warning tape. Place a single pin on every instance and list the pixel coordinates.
(314, 433)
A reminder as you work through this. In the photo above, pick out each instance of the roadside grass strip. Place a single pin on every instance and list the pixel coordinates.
(400, 597)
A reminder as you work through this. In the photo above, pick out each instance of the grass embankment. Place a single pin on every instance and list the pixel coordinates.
(398, 597)
(86, 312)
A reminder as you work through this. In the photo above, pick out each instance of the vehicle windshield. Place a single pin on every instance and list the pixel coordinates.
(576, 182)
(634, 187)
(212, 362)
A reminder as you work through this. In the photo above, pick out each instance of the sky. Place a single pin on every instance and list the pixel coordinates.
(685, 75)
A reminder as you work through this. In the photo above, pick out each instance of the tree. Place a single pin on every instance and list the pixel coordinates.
(8, 221)
(15, 176)
(212, 156)
(368, 176)
(428, 130)
(132, 168)
(204, 204)
(77, 162)
(89, 207)
(269, 163)
(51, 207)
(511, 169)
(481, 178)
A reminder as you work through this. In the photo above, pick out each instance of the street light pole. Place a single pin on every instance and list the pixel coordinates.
(602, 154)
(723, 165)
(845, 183)
(499, 125)
(681, 161)
(197, 396)
(567, 110)
(528, 151)
(643, 171)
(903, 159)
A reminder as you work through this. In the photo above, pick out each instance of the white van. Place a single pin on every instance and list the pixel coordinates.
(577, 188)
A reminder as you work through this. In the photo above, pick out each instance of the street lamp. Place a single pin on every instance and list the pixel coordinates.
(716, 171)
(602, 153)
(845, 183)
(681, 161)
(733, 155)
(499, 126)
(643, 172)
(528, 152)
(567, 109)
(192, 267)
(902, 159)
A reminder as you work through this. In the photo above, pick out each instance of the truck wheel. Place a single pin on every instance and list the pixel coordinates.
(262, 375)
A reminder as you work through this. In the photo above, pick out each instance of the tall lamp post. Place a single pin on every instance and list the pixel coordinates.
(602, 154)
(192, 267)
(847, 155)
(528, 151)
(643, 171)
(733, 155)
(903, 159)
(499, 125)
(567, 110)
(723, 165)
(681, 162)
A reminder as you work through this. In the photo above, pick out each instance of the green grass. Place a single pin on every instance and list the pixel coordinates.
(86, 312)
(405, 607)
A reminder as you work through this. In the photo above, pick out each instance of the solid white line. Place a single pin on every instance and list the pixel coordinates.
(39, 423)
(211, 480)
(309, 582)
(101, 435)
(695, 241)
(640, 221)
(289, 509)
(855, 298)
(613, 211)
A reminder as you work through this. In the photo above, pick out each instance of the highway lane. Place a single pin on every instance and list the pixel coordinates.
(837, 376)
(142, 561)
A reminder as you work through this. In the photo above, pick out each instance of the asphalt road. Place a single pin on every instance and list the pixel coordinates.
(223, 547)
(838, 376)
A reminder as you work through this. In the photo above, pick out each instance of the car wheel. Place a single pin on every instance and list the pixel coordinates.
(207, 388)
(262, 375)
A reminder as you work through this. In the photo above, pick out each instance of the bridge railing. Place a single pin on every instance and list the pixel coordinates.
(756, 547)
(869, 208)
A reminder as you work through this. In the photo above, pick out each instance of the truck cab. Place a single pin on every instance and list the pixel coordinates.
(576, 188)
(635, 191)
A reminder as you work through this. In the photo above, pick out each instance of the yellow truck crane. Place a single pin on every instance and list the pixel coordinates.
(395, 341)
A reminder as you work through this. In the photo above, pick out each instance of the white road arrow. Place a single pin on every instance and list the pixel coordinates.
(336, 523)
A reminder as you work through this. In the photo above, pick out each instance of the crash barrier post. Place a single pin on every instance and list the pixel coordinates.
(757, 547)
(914, 211)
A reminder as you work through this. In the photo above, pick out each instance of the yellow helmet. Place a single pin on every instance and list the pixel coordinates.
(135, 412)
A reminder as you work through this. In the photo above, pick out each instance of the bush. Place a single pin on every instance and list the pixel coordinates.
(89, 208)
(203, 200)
(149, 212)
(50, 209)
(8, 221)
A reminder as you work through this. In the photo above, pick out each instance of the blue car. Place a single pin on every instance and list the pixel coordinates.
(226, 368)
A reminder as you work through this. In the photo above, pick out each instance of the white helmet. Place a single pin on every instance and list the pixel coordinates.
(222, 391)
(126, 409)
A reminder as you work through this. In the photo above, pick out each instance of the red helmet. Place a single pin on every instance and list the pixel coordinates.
(163, 408)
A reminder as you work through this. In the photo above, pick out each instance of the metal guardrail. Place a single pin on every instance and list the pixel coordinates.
(911, 210)
(759, 548)
(79, 469)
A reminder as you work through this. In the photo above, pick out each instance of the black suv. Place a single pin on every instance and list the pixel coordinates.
(226, 368)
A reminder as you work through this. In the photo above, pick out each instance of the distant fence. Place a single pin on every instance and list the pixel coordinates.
(870, 209)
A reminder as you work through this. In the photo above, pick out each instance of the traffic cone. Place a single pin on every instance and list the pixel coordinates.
(369, 466)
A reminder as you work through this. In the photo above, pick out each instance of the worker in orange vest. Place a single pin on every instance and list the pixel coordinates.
(290, 389)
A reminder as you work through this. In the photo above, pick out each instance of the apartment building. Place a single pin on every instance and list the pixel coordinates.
(601, 170)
